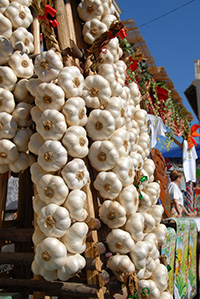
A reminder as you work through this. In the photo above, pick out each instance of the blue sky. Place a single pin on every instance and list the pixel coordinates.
(173, 40)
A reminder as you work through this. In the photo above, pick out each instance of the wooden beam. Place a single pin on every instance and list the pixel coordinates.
(56, 288)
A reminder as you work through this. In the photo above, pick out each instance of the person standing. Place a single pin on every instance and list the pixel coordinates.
(176, 196)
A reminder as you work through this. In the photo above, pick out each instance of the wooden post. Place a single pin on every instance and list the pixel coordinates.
(35, 29)
(63, 28)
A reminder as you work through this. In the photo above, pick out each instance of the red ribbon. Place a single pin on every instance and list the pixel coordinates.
(122, 33)
(49, 10)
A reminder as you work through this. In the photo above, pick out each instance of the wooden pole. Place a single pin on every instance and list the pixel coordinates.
(63, 28)
(50, 288)
(35, 29)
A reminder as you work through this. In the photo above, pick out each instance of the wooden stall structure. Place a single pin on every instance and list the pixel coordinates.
(91, 283)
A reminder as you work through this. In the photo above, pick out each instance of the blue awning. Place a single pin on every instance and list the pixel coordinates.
(176, 152)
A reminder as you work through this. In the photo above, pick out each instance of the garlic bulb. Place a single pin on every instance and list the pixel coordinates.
(144, 203)
(108, 7)
(6, 50)
(124, 170)
(35, 142)
(151, 237)
(8, 126)
(48, 65)
(7, 102)
(75, 174)
(19, 15)
(156, 211)
(76, 142)
(32, 85)
(73, 265)
(22, 40)
(160, 277)
(36, 172)
(52, 156)
(75, 112)
(111, 74)
(8, 151)
(137, 160)
(51, 125)
(166, 295)
(100, 124)
(76, 204)
(129, 199)
(140, 117)
(21, 92)
(153, 190)
(105, 56)
(90, 9)
(53, 220)
(148, 288)
(96, 91)
(52, 189)
(37, 236)
(103, 155)
(121, 139)
(108, 19)
(23, 161)
(149, 222)
(139, 254)
(112, 214)
(51, 254)
(49, 96)
(149, 166)
(92, 29)
(3, 5)
(46, 274)
(5, 26)
(7, 78)
(133, 139)
(38, 204)
(135, 93)
(35, 113)
(75, 237)
(108, 185)
(120, 241)
(71, 80)
(21, 65)
(114, 48)
(22, 138)
(21, 114)
(120, 265)
(135, 226)
(117, 107)
(161, 233)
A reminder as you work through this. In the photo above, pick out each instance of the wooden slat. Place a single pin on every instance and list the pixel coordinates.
(24, 219)
(16, 235)
(16, 258)
(76, 290)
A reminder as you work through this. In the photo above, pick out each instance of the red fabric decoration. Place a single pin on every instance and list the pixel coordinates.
(193, 133)
(162, 93)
